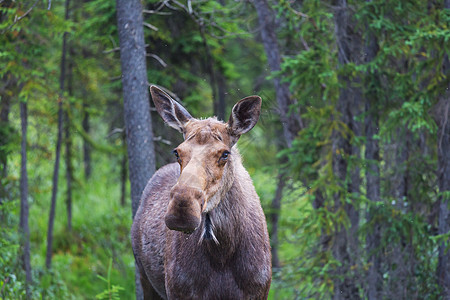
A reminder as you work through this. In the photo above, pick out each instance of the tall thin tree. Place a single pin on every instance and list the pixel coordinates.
(346, 106)
(372, 156)
(24, 211)
(291, 122)
(140, 148)
(68, 144)
(266, 19)
(86, 146)
(123, 173)
(51, 218)
(443, 138)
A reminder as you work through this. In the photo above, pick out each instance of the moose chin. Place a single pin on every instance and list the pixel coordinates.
(200, 231)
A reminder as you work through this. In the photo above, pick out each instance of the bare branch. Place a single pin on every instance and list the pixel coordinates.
(158, 59)
(155, 12)
(189, 7)
(115, 78)
(111, 50)
(304, 43)
(115, 131)
(171, 7)
(160, 139)
(49, 4)
(298, 13)
(113, 42)
(150, 26)
(180, 5)
(17, 19)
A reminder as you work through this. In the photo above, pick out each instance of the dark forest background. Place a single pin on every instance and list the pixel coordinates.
(351, 156)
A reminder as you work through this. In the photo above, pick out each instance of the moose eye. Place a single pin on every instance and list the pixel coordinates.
(225, 155)
(175, 152)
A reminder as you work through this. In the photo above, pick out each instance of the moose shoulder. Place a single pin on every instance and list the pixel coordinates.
(200, 232)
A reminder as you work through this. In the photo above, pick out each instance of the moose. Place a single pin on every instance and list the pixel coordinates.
(200, 231)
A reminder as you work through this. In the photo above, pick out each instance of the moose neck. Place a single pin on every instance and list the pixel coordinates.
(219, 224)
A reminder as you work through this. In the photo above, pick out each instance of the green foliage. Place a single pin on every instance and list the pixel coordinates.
(405, 79)
(10, 285)
(112, 291)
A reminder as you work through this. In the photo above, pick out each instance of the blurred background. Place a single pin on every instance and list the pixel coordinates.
(351, 156)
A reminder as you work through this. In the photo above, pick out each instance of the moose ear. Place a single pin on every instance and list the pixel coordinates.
(173, 113)
(244, 116)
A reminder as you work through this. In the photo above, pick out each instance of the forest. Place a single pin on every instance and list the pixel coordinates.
(350, 156)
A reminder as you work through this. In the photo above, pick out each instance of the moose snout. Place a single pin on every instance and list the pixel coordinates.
(185, 208)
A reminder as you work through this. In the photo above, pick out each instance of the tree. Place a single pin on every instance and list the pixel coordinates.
(86, 146)
(443, 174)
(141, 157)
(62, 78)
(5, 132)
(346, 240)
(24, 210)
(68, 146)
(372, 156)
(291, 121)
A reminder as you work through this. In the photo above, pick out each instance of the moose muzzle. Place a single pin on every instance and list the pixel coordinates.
(185, 209)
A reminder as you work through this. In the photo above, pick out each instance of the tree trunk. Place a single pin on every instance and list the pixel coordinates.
(221, 101)
(4, 140)
(209, 66)
(291, 122)
(374, 284)
(69, 172)
(4, 122)
(140, 148)
(86, 146)
(68, 142)
(344, 285)
(51, 218)
(347, 108)
(372, 157)
(24, 228)
(443, 268)
(123, 174)
(443, 173)
(274, 217)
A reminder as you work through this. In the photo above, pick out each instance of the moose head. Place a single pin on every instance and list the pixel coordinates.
(205, 157)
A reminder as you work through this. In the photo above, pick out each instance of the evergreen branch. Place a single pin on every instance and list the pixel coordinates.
(100, 147)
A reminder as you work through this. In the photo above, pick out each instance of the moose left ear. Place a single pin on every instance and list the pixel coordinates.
(244, 116)
(172, 112)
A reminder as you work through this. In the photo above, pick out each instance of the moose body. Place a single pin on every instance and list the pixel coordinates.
(200, 232)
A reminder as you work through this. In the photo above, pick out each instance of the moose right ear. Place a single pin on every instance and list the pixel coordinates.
(244, 116)
(173, 113)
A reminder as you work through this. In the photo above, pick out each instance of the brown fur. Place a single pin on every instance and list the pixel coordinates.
(227, 253)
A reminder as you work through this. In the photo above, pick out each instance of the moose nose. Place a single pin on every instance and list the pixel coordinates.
(184, 210)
